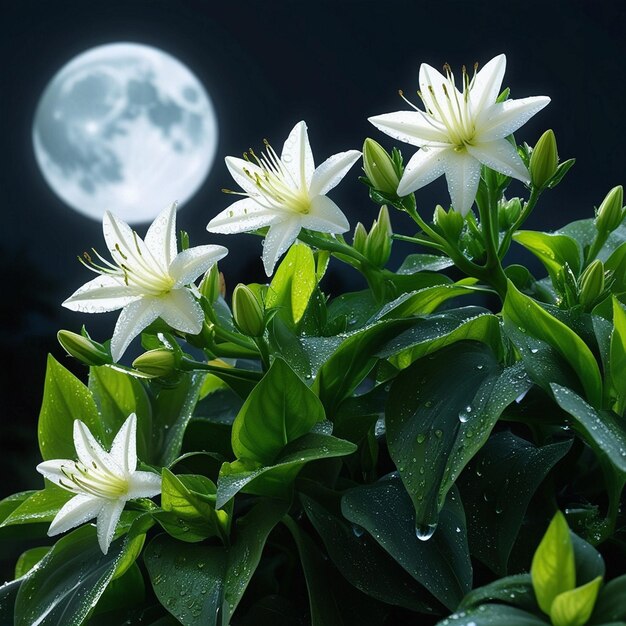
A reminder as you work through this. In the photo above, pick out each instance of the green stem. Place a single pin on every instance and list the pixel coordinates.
(596, 246)
(332, 245)
(189, 365)
(263, 351)
(420, 241)
(493, 268)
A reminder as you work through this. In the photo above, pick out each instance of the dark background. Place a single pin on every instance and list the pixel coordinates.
(267, 65)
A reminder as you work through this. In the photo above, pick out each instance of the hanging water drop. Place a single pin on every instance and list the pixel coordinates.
(425, 531)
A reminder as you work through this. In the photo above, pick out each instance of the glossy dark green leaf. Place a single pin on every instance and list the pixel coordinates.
(553, 250)
(69, 581)
(65, 399)
(434, 332)
(8, 595)
(322, 602)
(29, 559)
(610, 606)
(364, 563)
(172, 409)
(276, 479)
(117, 395)
(440, 412)
(584, 232)
(201, 584)
(494, 615)
(279, 410)
(40, 506)
(497, 486)
(122, 593)
(515, 590)
(528, 316)
(424, 262)
(441, 564)
(589, 562)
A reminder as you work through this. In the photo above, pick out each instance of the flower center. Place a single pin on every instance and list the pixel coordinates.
(277, 188)
(95, 481)
(143, 274)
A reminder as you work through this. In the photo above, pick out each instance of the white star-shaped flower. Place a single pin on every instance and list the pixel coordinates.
(459, 131)
(147, 279)
(286, 193)
(102, 481)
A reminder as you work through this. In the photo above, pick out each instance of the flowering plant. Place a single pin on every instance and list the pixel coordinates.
(446, 445)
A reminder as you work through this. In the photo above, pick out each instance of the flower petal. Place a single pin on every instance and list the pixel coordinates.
(124, 447)
(144, 485)
(423, 167)
(501, 156)
(182, 311)
(161, 236)
(90, 451)
(462, 176)
(108, 518)
(504, 118)
(193, 262)
(325, 217)
(331, 171)
(241, 217)
(417, 129)
(244, 173)
(74, 512)
(53, 471)
(487, 84)
(119, 234)
(297, 156)
(431, 79)
(279, 238)
(100, 295)
(132, 320)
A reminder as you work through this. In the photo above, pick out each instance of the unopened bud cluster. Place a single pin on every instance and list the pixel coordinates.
(375, 245)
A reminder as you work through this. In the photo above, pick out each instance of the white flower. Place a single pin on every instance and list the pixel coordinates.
(102, 481)
(147, 279)
(460, 130)
(286, 194)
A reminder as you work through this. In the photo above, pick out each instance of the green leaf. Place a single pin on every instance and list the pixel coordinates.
(122, 593)
(189, 504)
(117, 395)
(584, 232)
(589, 562)
(553, 250)
(323, 606)
(293, 284)
(441, 564)
(279, 410)
(8, 594)
(364, 563)
(65, 399)
(434, 427)
(516, 590)
(616, 263)
(40, 506)
(434, 332)
(610, 606)
(528, 316)
(173, 407)
(424, 262)
(29, 559)
(493, 615)
(276, 479)
(617, 358)
(604, 431)
(553, 569)
(68, 581)
(573, 608)
(496, 488)
(10, 503)
(201, 584)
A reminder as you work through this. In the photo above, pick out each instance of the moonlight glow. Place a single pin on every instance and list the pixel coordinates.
(126, 128)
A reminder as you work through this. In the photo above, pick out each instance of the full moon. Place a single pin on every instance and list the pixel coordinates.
(127, 128)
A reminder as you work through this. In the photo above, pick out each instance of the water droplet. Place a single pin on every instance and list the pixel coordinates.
(425, 531)
(420, 438)
(438, 433)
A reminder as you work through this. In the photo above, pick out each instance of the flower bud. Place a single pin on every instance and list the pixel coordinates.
(591, 283)
(247, 311)
(83, 348)
(450, 224)
(611, 212)
(379, 167)
(378, 244)
(359, 240)
(210, 286)
(508, 212)
(159, 363)
(544, 160)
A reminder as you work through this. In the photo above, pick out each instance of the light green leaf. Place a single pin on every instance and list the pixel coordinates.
(617, 358)
(40, 506)
(29, 559)
(573, 608)
(279, 410)
(65, 399)
(424, 262)
(552, 250)
(516, 590)
(529, 317)
(553, 570)
(293, 284)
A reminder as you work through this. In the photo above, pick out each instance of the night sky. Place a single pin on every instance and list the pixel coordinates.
(266, 66)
